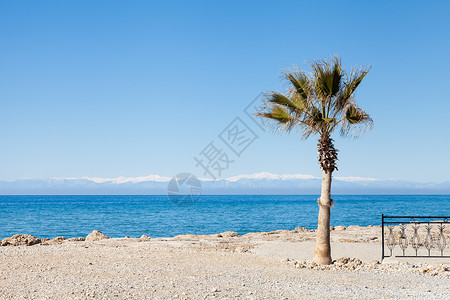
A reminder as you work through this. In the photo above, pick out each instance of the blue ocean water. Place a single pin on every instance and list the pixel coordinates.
(157, 216)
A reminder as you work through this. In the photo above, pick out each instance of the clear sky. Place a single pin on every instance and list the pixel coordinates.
(131, 88)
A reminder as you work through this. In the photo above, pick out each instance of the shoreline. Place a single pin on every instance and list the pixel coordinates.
(232, 233)
(296, 229)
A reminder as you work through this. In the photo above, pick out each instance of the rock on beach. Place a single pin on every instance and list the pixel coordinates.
(59, 239)
(21, 240)
(77, 239)
(96, 235)
(227, 234)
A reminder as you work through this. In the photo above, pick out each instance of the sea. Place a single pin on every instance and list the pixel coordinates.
(158, 216)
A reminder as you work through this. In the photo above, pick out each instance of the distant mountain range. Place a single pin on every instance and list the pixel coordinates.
(258, 183)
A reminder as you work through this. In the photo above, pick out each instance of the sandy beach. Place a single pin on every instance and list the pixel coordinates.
(267, 265)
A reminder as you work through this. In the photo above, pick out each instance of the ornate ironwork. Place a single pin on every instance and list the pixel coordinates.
(403, 241)
(428, 239)
(441, 243)
(391, 239)
(425, 236)
(415, 240)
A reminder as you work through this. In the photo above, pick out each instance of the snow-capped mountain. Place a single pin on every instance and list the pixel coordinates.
(257, 183)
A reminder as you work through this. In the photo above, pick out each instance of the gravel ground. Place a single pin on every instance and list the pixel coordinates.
(193, 267)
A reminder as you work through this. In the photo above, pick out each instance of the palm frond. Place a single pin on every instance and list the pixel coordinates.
(328, 77)
(283, 119)
(355, 121)
(282, 100)
(299, 80)
(353, 81)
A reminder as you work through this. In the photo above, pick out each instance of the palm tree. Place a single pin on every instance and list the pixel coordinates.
(319, 103)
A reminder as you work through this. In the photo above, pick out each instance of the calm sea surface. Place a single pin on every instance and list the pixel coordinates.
(157, 216)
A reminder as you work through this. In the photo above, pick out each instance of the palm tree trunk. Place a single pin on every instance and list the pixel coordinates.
(322, 253)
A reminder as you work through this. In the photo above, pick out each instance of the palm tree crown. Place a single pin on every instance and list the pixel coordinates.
(318, 102)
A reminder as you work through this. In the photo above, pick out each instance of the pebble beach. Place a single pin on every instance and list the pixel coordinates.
(263, 265)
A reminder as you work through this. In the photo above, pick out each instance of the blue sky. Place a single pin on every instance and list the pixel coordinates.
(131, 88)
